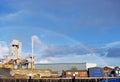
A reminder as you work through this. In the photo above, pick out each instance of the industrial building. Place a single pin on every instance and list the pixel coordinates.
(14, 59)
(77, 73)
(65, 66)
(15, 49)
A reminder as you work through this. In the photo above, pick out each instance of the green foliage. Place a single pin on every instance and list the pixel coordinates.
(74, 68)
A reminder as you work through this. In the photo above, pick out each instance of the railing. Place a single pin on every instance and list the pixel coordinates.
(61, 80)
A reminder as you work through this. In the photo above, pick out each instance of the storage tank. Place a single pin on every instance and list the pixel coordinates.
(96, 72)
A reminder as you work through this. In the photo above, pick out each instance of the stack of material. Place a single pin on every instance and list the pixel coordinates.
(56, 74)
(24, 73)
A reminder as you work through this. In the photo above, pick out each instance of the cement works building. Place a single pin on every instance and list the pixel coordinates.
(58, 67)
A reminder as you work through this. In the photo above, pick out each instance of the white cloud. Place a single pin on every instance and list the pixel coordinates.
(63, 54)
(36, 39)
(113, 44)
(89, 58)
(12, 16)
(39, 44)
(43, 61)
(111, 61)
(57, 50)
(3, 49)
(69, 54)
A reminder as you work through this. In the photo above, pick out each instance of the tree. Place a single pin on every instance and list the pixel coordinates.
(74, 68)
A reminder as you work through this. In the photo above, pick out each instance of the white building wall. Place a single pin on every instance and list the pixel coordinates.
(90, 65)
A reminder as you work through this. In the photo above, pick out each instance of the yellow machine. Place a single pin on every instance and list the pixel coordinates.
(7, 65)
(1, 65)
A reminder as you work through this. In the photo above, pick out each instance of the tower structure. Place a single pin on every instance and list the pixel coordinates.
(15, 49)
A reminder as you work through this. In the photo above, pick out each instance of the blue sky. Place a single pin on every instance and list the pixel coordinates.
(63, 30)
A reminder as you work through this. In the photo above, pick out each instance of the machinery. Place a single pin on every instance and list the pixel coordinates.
(14, 60)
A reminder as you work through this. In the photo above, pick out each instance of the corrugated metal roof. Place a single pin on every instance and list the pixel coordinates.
(75, 70)
(96, 68)
(61, 66)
